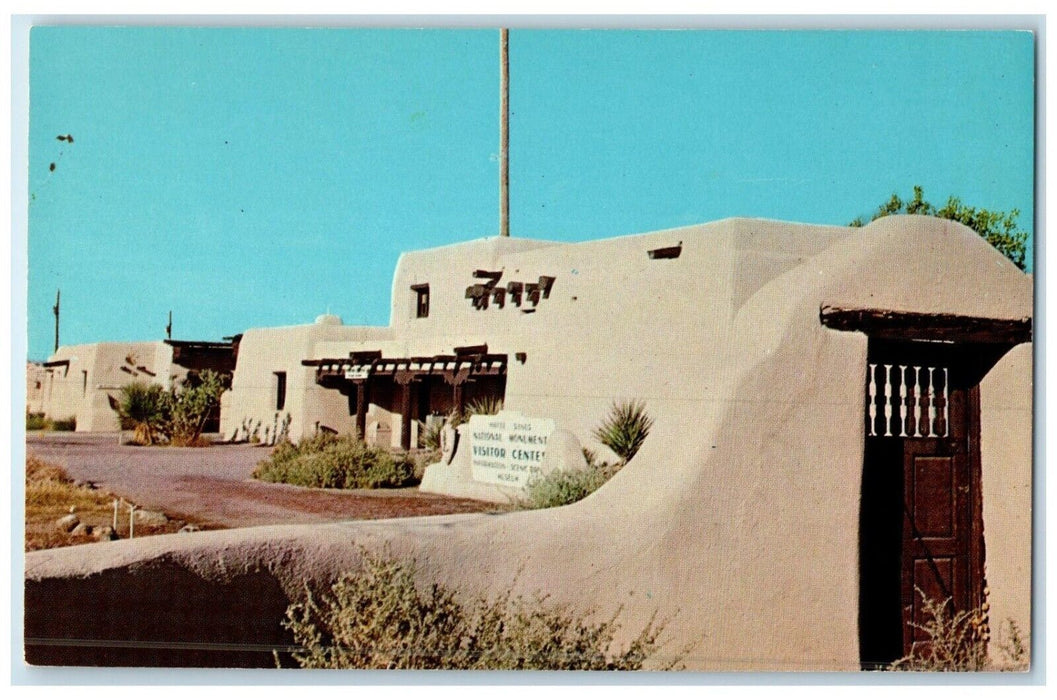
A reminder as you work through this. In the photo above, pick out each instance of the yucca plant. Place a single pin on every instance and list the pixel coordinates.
(484, 406)
(625, 428)
(142, 407)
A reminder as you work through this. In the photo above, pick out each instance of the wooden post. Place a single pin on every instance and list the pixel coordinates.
(457, 397)
(361, 409)
(405, 416)
(504, 134)
(55, 310)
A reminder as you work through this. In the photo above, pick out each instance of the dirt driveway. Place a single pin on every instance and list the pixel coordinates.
(214, 485)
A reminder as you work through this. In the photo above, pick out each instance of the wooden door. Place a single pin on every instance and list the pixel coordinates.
(939, 527)
(923, 422)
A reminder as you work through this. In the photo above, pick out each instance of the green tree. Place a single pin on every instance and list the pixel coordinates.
(188, 408)
(998, 228)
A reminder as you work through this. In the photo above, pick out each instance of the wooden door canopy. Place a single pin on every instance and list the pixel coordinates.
(909, 325)
(453, 369)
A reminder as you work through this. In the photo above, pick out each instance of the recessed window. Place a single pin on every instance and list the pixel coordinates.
(421, 300)
(280, 390)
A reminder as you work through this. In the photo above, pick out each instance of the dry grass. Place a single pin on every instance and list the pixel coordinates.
(957, 640)
(52, 494)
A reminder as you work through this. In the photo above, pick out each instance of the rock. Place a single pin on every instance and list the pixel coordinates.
(190, 528)
(151, 517)
(105, 533)
(67, 522)
(563, 452)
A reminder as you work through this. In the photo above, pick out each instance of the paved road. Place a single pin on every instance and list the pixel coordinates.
(214, 485)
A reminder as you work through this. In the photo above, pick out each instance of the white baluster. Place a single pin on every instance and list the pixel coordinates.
(917, 401)
(932, 405)
(873, 398)
(888, 400)
(902, 400)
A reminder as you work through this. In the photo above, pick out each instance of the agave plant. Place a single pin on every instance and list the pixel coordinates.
(625, 428)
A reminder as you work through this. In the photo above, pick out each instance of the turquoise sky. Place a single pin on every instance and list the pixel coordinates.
(258, 177)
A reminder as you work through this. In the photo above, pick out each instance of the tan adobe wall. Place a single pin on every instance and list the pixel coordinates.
(36, 379)
(1006, 455)
(99, 370)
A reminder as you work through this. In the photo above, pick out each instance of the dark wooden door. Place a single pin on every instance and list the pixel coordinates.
(921, 492)
(938, 529)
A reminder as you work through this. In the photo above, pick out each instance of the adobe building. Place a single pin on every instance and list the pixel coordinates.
(841, 415)
(84, 381)
(35, 378)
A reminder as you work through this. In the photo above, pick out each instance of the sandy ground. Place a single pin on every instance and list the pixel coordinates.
(214, 485)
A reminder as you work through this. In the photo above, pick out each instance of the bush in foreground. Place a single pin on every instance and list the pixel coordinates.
(378, 618)
(336, 462)
(561, 487)
(957, 640)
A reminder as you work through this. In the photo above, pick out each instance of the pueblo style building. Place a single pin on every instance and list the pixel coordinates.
(842, 416)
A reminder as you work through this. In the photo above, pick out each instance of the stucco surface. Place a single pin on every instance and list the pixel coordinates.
(98, 370)
(738, 520)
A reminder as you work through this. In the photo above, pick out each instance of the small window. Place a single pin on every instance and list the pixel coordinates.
(280, 390)
(84, 382)
(421, 300)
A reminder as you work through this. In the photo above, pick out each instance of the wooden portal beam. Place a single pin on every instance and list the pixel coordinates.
(361, 409)
(909, 325)
(405, 415)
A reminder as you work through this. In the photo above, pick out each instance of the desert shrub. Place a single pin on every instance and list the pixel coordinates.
(340, 462)
(188, 407)
(430, 435)
(483, 406)
(176, 415)
(1014, 648)
(36, 421)
(562, 487)
(956, 640)
(378, 618)
(141, 407)
(625, 428)
(64, 424)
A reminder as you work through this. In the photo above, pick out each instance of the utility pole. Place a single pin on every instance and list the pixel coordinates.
(55, 310)
(168, 328)
(504, 135)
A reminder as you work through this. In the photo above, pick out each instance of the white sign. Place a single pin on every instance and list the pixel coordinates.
(361, 372)
(507, 449)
